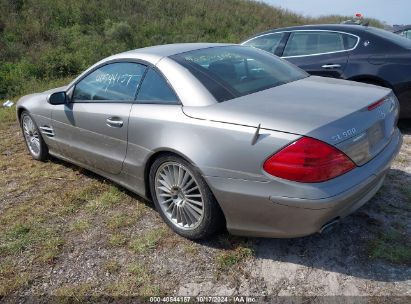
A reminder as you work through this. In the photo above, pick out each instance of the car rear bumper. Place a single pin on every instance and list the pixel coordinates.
(252, 209)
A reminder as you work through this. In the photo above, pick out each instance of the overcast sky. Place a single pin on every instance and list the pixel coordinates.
(391, 11)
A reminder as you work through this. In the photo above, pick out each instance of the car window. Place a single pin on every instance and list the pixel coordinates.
(309, 43)
(232, 71)
(267, 43)
(116, 81)
(351, 41)
(156, 89)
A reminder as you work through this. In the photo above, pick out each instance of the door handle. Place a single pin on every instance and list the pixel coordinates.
(331, 66)
(114, 122)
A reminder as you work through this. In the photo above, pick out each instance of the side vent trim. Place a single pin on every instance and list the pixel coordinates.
(47, 130)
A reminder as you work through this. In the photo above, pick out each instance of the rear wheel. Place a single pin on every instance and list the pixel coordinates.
(183, 198)
(33, 139)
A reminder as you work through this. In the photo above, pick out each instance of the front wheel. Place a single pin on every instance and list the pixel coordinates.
(32, 136)
(183, 198)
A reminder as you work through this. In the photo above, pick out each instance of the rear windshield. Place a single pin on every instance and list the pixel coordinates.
(397, 39)
(233, 71)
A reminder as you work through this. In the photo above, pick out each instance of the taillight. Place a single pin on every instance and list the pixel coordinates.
(308, 160)
(375, 104)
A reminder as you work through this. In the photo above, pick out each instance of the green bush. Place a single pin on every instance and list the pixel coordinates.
(45, 40)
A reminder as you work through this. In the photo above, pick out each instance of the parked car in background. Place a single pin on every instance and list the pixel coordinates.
(352, 52)
(404, 31)
(221, 134)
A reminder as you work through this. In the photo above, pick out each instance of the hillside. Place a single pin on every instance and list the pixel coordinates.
(42, 41)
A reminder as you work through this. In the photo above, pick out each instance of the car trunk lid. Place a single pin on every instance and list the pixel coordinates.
(334, 111)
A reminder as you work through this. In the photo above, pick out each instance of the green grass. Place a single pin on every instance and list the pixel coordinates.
(137, 281)
(112, 266)
(106, 200)
(7, 116)
(17, 281)
(236, 250)
(10, 277)
(392, 245)
(69, 293)
(122, 220)
(47, 208)
(139, 272)
(147, 242)
(25, 237)
(117, 240)
(228, 259)
(80, 225)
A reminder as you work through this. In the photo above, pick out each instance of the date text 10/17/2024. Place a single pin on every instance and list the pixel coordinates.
(204, 299)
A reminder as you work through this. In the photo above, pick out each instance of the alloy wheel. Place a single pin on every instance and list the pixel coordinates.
(179, 195)
(31, 135)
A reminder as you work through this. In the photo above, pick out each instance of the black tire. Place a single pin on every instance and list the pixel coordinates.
(43, 153)
(212, 219)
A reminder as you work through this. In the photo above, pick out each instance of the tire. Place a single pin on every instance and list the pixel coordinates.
(183, 199)
(32, 137)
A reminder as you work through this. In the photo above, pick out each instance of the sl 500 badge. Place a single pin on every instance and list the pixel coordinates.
(346, 134)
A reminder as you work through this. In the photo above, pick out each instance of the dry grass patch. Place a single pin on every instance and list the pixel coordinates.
(236, 250)
(137, 281)
(117, 239)
(118, 220)
(69, 293)
(147, 242)
(11, 278)
(80, 225)
(191, 248)
(112, 266)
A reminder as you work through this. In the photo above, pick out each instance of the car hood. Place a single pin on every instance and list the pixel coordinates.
(322, 108)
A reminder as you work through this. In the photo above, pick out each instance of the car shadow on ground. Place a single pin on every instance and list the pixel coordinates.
(95, 176)
(405, 126)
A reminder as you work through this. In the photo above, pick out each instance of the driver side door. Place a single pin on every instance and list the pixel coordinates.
(92, 129)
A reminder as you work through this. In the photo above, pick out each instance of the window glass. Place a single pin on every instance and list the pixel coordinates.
(232, 71)
(351, 41)
(267, 43)
(116, 81)
(308, 43)
(156, 89)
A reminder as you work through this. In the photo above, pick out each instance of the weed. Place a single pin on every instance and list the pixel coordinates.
(112, 266)
(148, 241)
(391, 245)
(117, 239)
(80, 225)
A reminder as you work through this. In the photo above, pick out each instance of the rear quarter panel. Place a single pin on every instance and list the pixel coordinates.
(217, 149)
(383, 63)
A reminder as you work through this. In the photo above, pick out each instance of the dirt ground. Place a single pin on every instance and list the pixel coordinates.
(67, 232)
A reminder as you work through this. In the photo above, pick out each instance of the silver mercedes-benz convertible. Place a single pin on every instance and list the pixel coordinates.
(220, 134)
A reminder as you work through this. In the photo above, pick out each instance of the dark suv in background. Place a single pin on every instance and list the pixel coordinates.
(352, 52)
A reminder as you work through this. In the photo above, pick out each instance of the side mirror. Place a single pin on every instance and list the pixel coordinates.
(57, 98)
